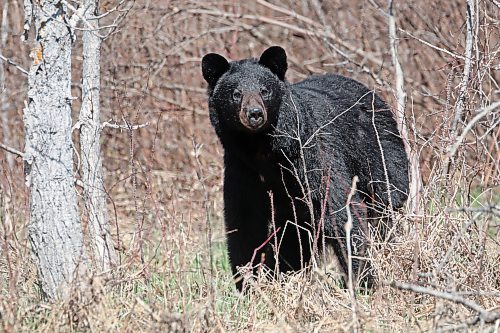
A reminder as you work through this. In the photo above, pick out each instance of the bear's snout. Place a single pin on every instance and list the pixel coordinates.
(253, 113)
(255, 116)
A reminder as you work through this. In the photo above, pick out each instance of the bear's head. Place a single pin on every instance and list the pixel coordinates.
(245, 95)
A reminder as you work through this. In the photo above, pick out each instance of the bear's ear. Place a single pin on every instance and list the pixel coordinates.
(274, 58)
(213, 66)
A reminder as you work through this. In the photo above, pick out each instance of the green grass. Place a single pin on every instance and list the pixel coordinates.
(179, 287)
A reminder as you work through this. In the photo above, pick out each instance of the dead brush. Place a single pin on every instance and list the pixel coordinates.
(439, 272)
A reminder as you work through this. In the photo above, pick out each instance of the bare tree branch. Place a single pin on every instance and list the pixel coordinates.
(123, 126)
(318, 32)
(489, 209)
(485, 111)
(456, 239)
(440, 49)
(467, 67)
(11, 150)
(13, 63)
(348, 234)
(484, 315)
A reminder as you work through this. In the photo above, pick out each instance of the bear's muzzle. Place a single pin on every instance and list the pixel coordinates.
(253, 113)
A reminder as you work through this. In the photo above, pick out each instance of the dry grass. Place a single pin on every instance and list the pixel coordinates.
(175, 290)
(171, 277)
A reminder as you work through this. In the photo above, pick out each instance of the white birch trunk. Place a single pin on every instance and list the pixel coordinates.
(4, 106)
(90, 134)
(54, 230)
(415, 176)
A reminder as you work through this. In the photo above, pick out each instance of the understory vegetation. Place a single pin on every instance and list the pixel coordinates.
(440, 271)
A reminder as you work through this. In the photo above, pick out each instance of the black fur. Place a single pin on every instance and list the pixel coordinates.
(331, 118)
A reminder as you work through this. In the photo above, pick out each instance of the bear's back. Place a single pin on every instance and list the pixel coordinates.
(339, 90)
(341, 109)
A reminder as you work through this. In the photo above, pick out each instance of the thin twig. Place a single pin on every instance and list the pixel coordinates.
(273, 224)
(79, 15)
(484, 315)
(307, 195)
(273, 234)
(206, 203)
(348, 229)
(454, 243)
(294, 209)
(384, 165)
(437, 48)
(109, 11)
(11, 150)
(485, 111)
(318, 33)
(124, 126)
(333, 45)
(13, 63)
(492, 209)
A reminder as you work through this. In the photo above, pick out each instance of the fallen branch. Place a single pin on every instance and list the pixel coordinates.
(484, 315)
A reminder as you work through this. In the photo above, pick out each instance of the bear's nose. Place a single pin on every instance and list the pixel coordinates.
(255, 114)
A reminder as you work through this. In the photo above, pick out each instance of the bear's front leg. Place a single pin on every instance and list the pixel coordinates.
(247, 214)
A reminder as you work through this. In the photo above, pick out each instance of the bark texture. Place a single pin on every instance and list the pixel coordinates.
(90, 134)
(4, 102)
(54, 230)
(415, 176)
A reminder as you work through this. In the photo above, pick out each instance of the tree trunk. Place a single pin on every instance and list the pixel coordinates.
(90, 133)
(4, 105)
(54, 230)
(415, 176)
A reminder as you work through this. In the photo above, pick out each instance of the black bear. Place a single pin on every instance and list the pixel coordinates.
(291, 152)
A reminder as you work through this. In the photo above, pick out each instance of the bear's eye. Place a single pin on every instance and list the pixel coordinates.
(264, 92)
(237, 95)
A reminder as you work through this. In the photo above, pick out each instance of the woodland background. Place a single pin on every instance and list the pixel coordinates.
(164, 179)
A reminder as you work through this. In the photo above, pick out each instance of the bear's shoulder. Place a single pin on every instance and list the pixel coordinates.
(342, 90)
